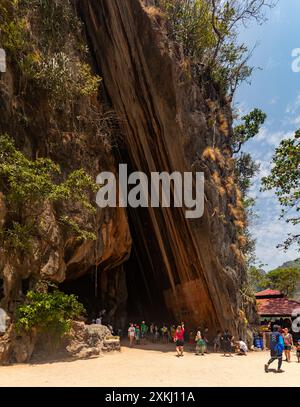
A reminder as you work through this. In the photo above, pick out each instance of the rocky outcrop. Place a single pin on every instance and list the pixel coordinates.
(16, 347)
(170, 123)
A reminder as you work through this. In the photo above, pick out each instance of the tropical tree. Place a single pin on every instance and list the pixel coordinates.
(285, 180)
(283, 279)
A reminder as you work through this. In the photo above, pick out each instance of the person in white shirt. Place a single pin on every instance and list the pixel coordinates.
(131, 334)
(243, 348)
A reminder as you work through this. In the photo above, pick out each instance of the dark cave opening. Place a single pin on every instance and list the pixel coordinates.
(145, 275)
(85, 288)
(132, 291)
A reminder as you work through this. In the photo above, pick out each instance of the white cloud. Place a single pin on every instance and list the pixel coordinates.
(269, 234)
(292, 108)
(272, 138)
(273, 101)
(296, 121)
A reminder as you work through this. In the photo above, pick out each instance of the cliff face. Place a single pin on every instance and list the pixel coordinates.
(167, 126)
(190, 270)
(73, 136)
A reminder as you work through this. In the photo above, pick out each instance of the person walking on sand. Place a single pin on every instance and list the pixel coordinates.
(288, 344)
(200, 344)
(226, 340)
(131, 334)
(276, 348)
(179, 339)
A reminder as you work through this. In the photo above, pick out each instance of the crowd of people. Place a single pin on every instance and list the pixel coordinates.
(198, 339)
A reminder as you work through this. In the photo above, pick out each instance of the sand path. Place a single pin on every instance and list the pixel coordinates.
(153, 365)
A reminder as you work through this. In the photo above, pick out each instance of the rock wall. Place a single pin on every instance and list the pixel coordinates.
(72, 138)
(169, 123)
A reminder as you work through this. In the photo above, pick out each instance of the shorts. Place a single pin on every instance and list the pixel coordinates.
(276, 354)
(298, 353)
(179, 343)
(287, 347)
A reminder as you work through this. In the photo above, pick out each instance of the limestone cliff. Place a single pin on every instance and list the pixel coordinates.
(190, 270)
(75, 135)
(171, 124)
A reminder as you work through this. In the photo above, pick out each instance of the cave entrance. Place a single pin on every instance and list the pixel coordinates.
(132, 291)
(145, 276)
(84, 288)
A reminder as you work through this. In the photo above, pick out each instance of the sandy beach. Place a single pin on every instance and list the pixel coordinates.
(153, 365)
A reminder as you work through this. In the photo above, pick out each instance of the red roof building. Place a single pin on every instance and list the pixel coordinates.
(272, 303)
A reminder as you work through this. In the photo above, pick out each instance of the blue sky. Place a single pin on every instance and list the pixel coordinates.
(275, 89)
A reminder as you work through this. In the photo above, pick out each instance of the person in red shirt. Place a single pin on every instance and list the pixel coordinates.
(179, 339)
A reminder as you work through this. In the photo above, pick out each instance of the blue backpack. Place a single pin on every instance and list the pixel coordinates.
(276, 342)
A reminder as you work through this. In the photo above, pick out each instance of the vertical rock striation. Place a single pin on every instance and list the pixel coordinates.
(169, 123)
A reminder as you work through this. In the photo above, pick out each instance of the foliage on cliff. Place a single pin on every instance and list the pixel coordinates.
(208, 33)
(38, 36)
(27, 185)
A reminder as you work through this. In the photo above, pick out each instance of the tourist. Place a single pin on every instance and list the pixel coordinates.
(276, 348)
(226, 341)
(242, 348)
(151, 332)
(131, 334)
(179, 339)
(298, 350)
(288, 343)
(137, 335)
(200, 344)
(205, 337)
(144, 330)
(165, 335)
(173, 331)
(217, 342)
(156, 333)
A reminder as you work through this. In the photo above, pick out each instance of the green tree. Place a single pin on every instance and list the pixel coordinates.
(248, 129)
(257, 279)
(284, 280)
(48, 312)
(285, 180)
(245, 169)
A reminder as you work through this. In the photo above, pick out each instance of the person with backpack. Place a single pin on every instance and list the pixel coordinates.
(276, 348)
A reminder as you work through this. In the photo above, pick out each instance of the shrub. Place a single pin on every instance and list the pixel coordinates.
(48, 312)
